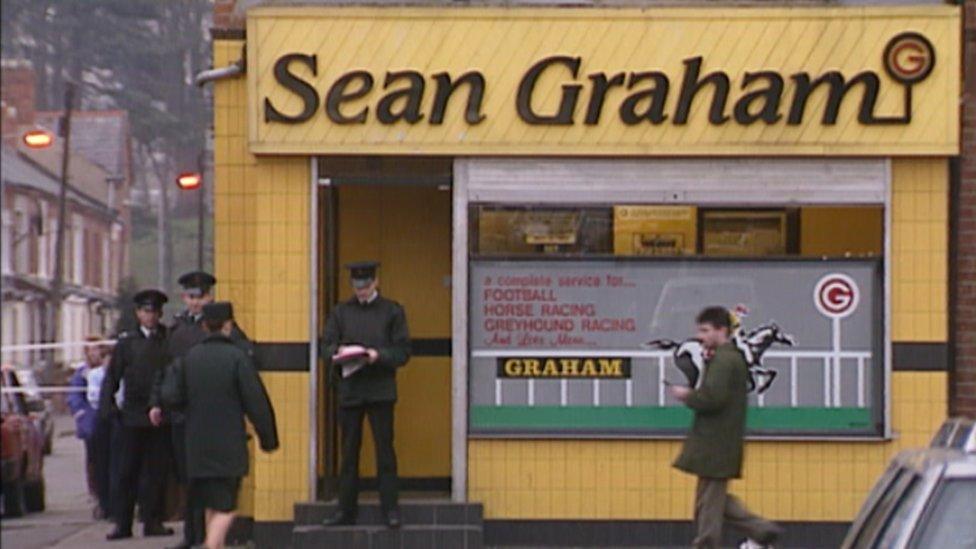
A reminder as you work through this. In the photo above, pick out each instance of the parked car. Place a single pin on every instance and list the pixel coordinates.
(21, 451)
(40, 409)
(926, 498)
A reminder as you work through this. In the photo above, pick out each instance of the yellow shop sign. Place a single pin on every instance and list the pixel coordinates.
(582, 81)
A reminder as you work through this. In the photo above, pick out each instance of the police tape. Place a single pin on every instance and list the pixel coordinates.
(34, 391)
(47, 346)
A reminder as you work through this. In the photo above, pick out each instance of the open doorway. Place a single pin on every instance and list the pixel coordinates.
(395, 210)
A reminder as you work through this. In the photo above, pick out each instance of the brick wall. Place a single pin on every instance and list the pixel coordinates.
(964, 378)
(227, 15)
(16, 95)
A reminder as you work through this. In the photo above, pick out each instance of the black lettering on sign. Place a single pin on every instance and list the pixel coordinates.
(568, 367)
(765, 96)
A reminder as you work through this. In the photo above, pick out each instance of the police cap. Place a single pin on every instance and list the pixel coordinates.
(218, 311)
(197, 283)
(362, 273)
(151, 298)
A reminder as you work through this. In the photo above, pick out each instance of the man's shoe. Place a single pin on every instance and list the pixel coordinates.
(156, 529)
(340, 518)
(118, 533)
(393, 519)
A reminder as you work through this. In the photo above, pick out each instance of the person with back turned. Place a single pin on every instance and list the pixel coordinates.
(186, 332)
(216, 385)
(142, 447)
(366, 340)
(713, 449)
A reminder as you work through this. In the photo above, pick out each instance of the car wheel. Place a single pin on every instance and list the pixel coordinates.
(13, 498)
(34, 496)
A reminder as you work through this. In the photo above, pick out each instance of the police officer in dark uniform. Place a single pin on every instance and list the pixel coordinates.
(379, 325)
(138, 357)
(185, 332)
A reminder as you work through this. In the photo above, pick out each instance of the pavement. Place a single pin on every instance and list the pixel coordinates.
(68, 522)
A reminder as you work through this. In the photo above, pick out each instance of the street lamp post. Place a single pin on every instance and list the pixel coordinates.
(39, 139)
(193, 181)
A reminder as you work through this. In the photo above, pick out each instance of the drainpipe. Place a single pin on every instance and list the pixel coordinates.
(235, 69)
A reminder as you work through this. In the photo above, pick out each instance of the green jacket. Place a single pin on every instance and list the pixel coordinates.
(713, 448)
(217, 385)
(380, 324)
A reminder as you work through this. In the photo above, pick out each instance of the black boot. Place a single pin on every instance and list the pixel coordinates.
(156, 529)
(340, 518)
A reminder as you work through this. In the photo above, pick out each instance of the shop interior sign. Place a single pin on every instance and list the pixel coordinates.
(556, 81)
(558, 347)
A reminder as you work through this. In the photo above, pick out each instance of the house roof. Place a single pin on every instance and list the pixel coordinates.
(100, 136)
(18, 169)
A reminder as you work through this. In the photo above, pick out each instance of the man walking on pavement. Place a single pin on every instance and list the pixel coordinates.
(216, 385)
(366, 340)
(713, 449)
(138, 358)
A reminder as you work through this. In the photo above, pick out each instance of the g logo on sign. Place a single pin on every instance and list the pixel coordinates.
(909, 58)
(836, 295)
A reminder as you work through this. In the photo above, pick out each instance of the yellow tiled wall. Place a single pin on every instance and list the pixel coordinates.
(919, 248)
(261, 260)
(630, 480)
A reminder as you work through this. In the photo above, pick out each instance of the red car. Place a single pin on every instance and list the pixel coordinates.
(22, 451)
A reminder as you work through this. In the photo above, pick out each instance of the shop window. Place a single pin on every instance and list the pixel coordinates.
(501, 230)
(655, 230)
(566, 300)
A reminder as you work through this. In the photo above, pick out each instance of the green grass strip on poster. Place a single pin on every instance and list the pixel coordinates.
(569, 418)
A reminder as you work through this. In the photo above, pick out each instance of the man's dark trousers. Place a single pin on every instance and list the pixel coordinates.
(381, 422)
(141, 450)
(193, 515)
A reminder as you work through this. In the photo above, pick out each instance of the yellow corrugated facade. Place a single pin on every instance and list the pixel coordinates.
(262, 257)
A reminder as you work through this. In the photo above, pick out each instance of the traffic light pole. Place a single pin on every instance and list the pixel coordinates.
(200, 208)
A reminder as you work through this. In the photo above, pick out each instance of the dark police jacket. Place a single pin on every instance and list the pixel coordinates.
(185, 333)
(136, 361)
(713, 448)
(219, 387)
(380, 324)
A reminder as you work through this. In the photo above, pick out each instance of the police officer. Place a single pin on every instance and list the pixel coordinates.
(380, 326)
(142, 447)
(186, 332)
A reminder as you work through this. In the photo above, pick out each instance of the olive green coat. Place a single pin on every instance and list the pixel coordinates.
(713, 448)
(217, 385)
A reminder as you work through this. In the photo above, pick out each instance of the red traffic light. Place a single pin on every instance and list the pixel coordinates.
(189, 181)
(38, 139)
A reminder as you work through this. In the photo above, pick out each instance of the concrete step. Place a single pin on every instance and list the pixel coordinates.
(412, 512)
(410, 536)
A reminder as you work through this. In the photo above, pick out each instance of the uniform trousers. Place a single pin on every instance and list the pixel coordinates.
(193, 514)
(99, 451)
(714, 505)
(381, 422)
(142, 452)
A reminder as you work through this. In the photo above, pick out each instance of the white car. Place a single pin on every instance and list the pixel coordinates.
(926, 499)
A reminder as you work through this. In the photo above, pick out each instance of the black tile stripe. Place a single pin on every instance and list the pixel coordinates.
(920, 357)
(431, 346)
(281, 357)
(293, 357)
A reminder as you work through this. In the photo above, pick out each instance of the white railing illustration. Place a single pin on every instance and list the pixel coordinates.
(830, 362)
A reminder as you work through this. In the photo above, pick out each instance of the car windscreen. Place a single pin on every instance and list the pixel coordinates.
(950, 519)
(879, 516)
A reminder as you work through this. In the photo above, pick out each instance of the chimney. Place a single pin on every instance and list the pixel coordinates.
(16, 96)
